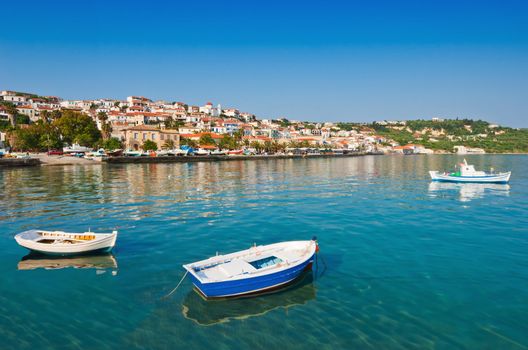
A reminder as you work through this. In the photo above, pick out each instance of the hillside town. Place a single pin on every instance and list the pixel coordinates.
(140, 123)
(138, 119)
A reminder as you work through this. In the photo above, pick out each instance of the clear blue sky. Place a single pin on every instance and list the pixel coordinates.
(326, 60)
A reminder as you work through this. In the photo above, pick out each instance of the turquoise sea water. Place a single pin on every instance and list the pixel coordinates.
(403, 264)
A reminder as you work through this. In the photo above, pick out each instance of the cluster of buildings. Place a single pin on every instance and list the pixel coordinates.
(137, 119)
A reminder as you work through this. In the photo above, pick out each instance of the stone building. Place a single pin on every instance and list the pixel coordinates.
(134, 137)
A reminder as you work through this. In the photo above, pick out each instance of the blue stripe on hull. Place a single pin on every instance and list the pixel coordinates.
(250, 285)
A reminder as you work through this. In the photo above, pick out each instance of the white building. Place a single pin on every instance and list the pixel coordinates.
(468, 150)
(231, 112)
(247, 117)
(208, 109)
(14, 99)
(28, 110)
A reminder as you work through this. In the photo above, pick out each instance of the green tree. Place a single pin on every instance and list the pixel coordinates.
(284, 122)
(149, 145)
(237, 135)
(50, 137)
(76, 127)
(22, 119)
(293, 144)
(11, 113)
(26, 139)
(55, 114)
(112, 144)
(36, 137)
(228, 142)
(257, 146)
(206, 139)
(184, 141)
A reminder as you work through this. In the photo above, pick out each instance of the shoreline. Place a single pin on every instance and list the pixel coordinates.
(194, 159)
(42, 159)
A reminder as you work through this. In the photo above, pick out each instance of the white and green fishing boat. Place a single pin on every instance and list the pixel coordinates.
(467, 173)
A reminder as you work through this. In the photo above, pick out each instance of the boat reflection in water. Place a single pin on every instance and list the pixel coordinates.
(470, 191)
(209, 312)
(100, 262)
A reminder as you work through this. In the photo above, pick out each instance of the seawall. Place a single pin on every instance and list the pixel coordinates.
(18, 162)
(190, 159)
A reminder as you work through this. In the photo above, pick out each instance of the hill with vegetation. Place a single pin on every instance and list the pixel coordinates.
(443, 135)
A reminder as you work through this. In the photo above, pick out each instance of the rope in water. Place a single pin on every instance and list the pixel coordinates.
(317, 273)
(172, 291)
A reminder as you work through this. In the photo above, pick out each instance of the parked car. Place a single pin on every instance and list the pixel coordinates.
(55, 152)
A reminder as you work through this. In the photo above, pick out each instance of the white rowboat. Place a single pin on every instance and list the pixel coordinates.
(65, 243)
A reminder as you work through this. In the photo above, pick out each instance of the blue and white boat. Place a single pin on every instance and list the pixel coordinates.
(252, 271)
(467, 173)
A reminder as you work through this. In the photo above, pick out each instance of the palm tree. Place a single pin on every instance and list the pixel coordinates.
(169, 122)
(106, 128)
(102, 117)
(257, 146)
(169, 144)
(293, 144)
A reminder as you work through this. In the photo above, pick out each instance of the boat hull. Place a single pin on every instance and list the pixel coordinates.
(76, 253)
(501, 178)
(254, 285)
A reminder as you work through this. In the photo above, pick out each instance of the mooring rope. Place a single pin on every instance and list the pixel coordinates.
(172, 291)
(317, 273)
